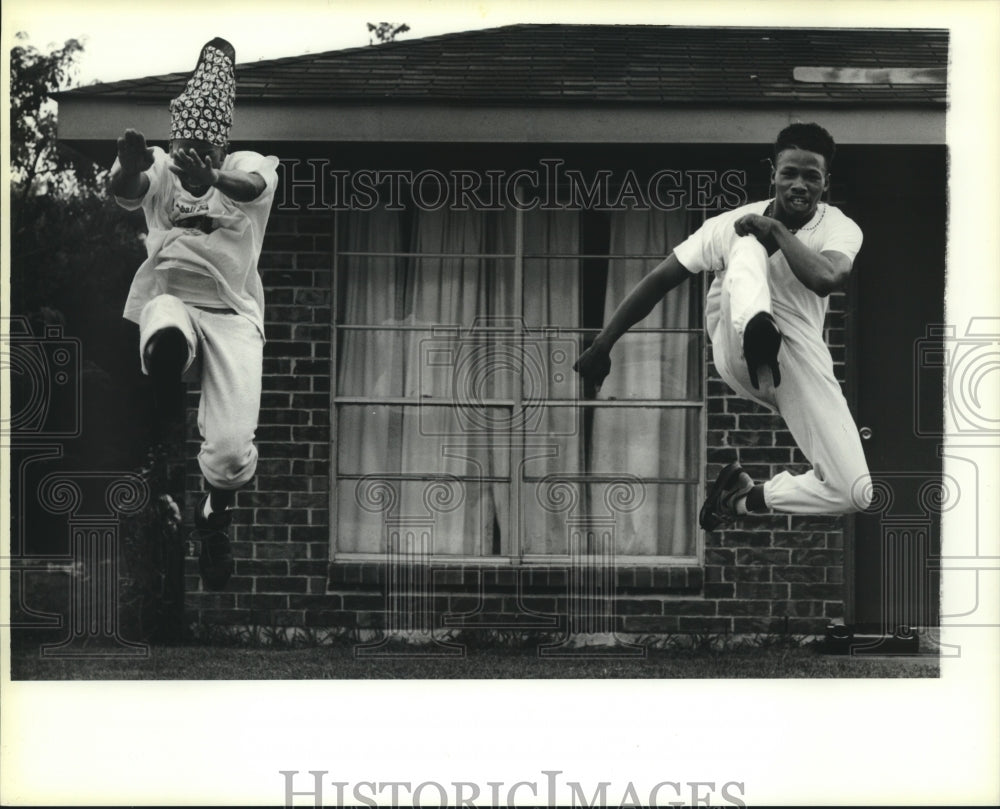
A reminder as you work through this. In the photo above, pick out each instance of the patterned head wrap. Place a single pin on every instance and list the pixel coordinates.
(204, 111)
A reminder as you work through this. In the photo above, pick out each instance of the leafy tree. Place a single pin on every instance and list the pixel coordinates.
(385, 31)
(73, 255)
(38, 164)
(73, 252)
(67, 236)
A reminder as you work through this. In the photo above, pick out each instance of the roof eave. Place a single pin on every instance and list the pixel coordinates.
(392, 121)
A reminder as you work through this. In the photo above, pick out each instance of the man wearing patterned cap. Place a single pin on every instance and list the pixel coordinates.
(198, 298)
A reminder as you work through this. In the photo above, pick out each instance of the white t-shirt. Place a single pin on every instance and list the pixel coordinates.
(793, 304)
(203, 249)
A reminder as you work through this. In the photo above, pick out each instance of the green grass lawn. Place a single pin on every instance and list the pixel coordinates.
(200, 662)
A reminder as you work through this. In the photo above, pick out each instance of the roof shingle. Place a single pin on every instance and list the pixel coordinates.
(573, 64)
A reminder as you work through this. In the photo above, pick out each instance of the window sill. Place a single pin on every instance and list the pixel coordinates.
(502, 576)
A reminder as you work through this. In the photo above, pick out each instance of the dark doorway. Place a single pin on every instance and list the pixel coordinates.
(899, 197)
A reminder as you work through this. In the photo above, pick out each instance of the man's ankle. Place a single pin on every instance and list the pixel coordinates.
(755, 500)
(219, 500)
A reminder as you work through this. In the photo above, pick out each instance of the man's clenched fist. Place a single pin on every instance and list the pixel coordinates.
(594, 365)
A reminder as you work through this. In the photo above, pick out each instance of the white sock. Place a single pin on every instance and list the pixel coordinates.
(741, 506)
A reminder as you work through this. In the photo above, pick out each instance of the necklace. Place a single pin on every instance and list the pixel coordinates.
(769, 212)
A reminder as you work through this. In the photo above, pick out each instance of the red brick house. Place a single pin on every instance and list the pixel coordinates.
(457, 217)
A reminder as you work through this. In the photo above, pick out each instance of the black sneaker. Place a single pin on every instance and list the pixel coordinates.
(216, 558)
(761, 341)
(720, 505)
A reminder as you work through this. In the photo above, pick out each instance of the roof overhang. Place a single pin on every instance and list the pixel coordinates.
(83, 120)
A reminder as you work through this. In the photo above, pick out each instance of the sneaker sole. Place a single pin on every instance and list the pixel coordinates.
(722, 482)
(765, 343)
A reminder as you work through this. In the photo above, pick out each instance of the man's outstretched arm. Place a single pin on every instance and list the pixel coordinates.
(239, 186)
(128, 178)
(594, 364)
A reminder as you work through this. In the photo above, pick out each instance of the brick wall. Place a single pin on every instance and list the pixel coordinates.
(770, 574)
(281, 531)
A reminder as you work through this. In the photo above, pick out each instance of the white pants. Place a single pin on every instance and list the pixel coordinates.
(226, 352)
(809, 397)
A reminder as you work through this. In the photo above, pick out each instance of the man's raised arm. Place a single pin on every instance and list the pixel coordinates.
(594, 364)
(128, 179)
(240, 186)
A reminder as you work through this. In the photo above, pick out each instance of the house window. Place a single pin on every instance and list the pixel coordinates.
(456, 409)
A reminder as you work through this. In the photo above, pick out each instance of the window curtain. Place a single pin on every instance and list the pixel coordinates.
(424, 362)
(554, 440)
(369, 363)
(648, 442)
(470, 517)
(420, 360)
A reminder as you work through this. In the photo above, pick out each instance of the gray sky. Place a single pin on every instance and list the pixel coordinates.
(134, 39)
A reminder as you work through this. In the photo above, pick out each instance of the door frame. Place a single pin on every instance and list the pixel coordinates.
(852, 394)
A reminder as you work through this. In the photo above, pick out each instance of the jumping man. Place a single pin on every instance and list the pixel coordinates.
(775, 263)
(198, 298)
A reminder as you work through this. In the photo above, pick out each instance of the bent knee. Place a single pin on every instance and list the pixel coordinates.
(844, 494)
(228, 464)
(855, 495)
